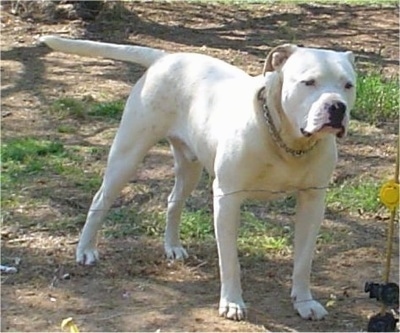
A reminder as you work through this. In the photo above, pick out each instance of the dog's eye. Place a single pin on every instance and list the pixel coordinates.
(309, 83)
(348, 85)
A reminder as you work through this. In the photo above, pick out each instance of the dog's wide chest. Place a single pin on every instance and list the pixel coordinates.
(275, 181)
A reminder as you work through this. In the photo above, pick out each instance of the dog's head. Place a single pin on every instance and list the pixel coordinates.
(317, 88)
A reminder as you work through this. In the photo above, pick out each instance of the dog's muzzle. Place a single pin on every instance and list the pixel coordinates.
(336, 113)
(335, 119)
(336, 116)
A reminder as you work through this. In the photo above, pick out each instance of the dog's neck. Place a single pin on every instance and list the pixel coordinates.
(279, 127)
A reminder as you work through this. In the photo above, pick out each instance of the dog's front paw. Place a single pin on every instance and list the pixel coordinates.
(233, 310)
(87, 256)
(175, 252)
(310, 309)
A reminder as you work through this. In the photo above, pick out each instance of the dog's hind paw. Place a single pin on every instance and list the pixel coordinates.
(87, 257)
(175, 252)
(234, 311)
(310, 309)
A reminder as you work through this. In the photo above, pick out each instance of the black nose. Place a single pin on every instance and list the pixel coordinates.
(336, 112)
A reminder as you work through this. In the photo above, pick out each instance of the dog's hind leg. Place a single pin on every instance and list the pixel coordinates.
(133, 140)
(187, 175)
(120, 169)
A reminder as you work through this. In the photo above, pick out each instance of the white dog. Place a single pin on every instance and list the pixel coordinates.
(260, 137)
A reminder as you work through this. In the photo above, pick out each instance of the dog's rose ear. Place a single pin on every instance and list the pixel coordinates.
(277, 57)
(350, 56)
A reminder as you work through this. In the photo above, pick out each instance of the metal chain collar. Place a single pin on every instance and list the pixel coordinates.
(278, 139)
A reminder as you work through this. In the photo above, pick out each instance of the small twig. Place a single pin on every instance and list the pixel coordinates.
(54, 281)
(198, 266)
(20, 240)
(112, 316)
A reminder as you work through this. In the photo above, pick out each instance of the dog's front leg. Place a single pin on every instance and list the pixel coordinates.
(309, 215)
(226, 223)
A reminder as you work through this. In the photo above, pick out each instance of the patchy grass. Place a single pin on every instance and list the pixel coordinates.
(377, 98)
(25, 149)
(258, 235)
(355, 195)
(110, 110)
(68, 107)
(25, 157)
(32, 162)
(81, 109)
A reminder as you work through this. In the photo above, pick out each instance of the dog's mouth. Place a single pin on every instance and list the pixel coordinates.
(338, 130)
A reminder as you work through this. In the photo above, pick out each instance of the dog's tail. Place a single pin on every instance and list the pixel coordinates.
(141, 55)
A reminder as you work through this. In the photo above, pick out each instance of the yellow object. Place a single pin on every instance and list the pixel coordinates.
(389, 195)
(69, 323)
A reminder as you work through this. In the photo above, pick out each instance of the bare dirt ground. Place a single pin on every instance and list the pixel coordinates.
(134, 288)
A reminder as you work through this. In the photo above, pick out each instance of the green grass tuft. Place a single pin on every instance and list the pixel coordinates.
(359, 194)
(27, 156)
(256, 234)
(86, 110)
(34, 161)
(197, 225)
(67, 129)
(69, 107)
(377, 99)
(111, 110)
(23, 149)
